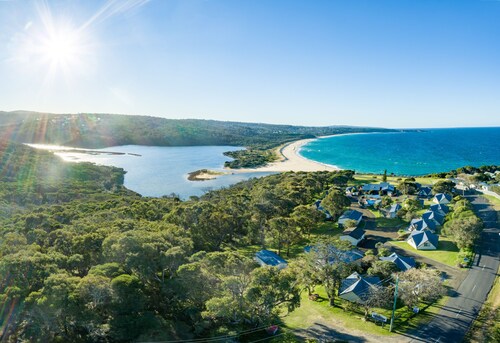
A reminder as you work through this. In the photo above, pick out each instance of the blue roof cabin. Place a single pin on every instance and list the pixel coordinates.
(402, 262)
(269, 258)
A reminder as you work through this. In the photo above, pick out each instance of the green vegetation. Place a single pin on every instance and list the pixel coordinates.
(446, 253)
(89, 130)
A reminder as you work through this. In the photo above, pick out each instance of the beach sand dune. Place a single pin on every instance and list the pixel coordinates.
(290, 160)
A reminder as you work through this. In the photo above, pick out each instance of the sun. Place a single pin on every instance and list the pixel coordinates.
(61, 47)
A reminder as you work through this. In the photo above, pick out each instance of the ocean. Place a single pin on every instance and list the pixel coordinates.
(408, 153)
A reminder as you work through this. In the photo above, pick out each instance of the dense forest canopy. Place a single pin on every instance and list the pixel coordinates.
(102, 130)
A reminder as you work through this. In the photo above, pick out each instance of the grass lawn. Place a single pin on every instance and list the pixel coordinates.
(368, 178)
(311, 312)
(390, 222)
(447, 252)
(495, 202)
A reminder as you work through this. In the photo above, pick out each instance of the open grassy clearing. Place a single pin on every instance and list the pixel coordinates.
(311, 312)
(446, 253)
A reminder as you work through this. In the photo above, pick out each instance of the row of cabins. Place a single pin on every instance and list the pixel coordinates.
(423, 230)
(354, 288)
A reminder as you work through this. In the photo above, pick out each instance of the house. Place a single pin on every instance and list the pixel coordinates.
(440, 209)
(402, 262)
(442, 198)
(383, 188)
(425, 192)
(322, 209)
(423, 240)
(348, 256)
(356, 288)
(352, 191)
(393, 211)
(269, 258)
(350, 215)
(354, 236)
(421, 224)
(434, 217)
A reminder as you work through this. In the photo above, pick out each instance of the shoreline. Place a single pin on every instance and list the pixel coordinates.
(291, 160)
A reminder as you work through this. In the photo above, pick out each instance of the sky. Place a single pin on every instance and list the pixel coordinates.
(385, 63)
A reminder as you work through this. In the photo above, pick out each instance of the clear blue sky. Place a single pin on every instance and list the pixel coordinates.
(390, 63)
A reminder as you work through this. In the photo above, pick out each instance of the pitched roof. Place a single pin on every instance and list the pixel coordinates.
(425, 191)
(417, 225)
(269, 258)
(431, 216)
(442, 196)
(384, 186)
(351, 215)
(395, 208)
(357, 233)
(440, 208)
(420, 237)
(347, 256)
(402, 262)
(358, 285)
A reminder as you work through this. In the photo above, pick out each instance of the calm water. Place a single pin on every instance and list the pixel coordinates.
(163, 170)
(408, 153)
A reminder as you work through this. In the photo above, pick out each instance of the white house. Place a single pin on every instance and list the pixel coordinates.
(354, 236)
(442, 198)
(350, 215)
(393, 211)
(423, 240)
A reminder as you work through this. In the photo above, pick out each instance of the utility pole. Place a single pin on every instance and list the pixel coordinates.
(395, 300)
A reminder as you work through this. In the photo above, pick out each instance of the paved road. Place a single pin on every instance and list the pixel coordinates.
(455, 318)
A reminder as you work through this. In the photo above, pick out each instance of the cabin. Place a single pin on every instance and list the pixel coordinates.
(425, 192)
(421, 224)
(352, 191)
(392, 212)
(350, 215)
(356, 288)
(383, 188)
(318, 206)
(442, 198)
(269, 258)
(402, 262)
(348, 256)
(433, 217)
(354, 236)
(423, 240)
(440, 209)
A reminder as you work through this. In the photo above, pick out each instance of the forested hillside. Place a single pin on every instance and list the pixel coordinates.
(102, 264)
(102, 130)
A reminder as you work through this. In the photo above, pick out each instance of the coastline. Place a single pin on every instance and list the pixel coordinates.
(291, 160)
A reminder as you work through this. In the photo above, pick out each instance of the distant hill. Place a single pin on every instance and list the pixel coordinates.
(90, 130)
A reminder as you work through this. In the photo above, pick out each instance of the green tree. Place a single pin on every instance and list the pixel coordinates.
(335, 202)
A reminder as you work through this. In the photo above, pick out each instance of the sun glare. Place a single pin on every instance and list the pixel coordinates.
(61, 47)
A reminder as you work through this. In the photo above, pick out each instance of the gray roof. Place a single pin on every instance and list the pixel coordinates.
(357, 233)
(402, 262)
(384, 186)
(441, 196)
(394, 208)
(359, 286)
(420, 237)
(352, 215)
(269, 258)
(346, 256)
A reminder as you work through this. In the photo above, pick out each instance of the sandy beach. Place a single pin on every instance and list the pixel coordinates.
(290, 161)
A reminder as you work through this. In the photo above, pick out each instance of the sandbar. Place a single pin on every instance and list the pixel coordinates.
(290, 160)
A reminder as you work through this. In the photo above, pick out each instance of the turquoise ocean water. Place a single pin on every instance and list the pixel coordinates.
(408, 153)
